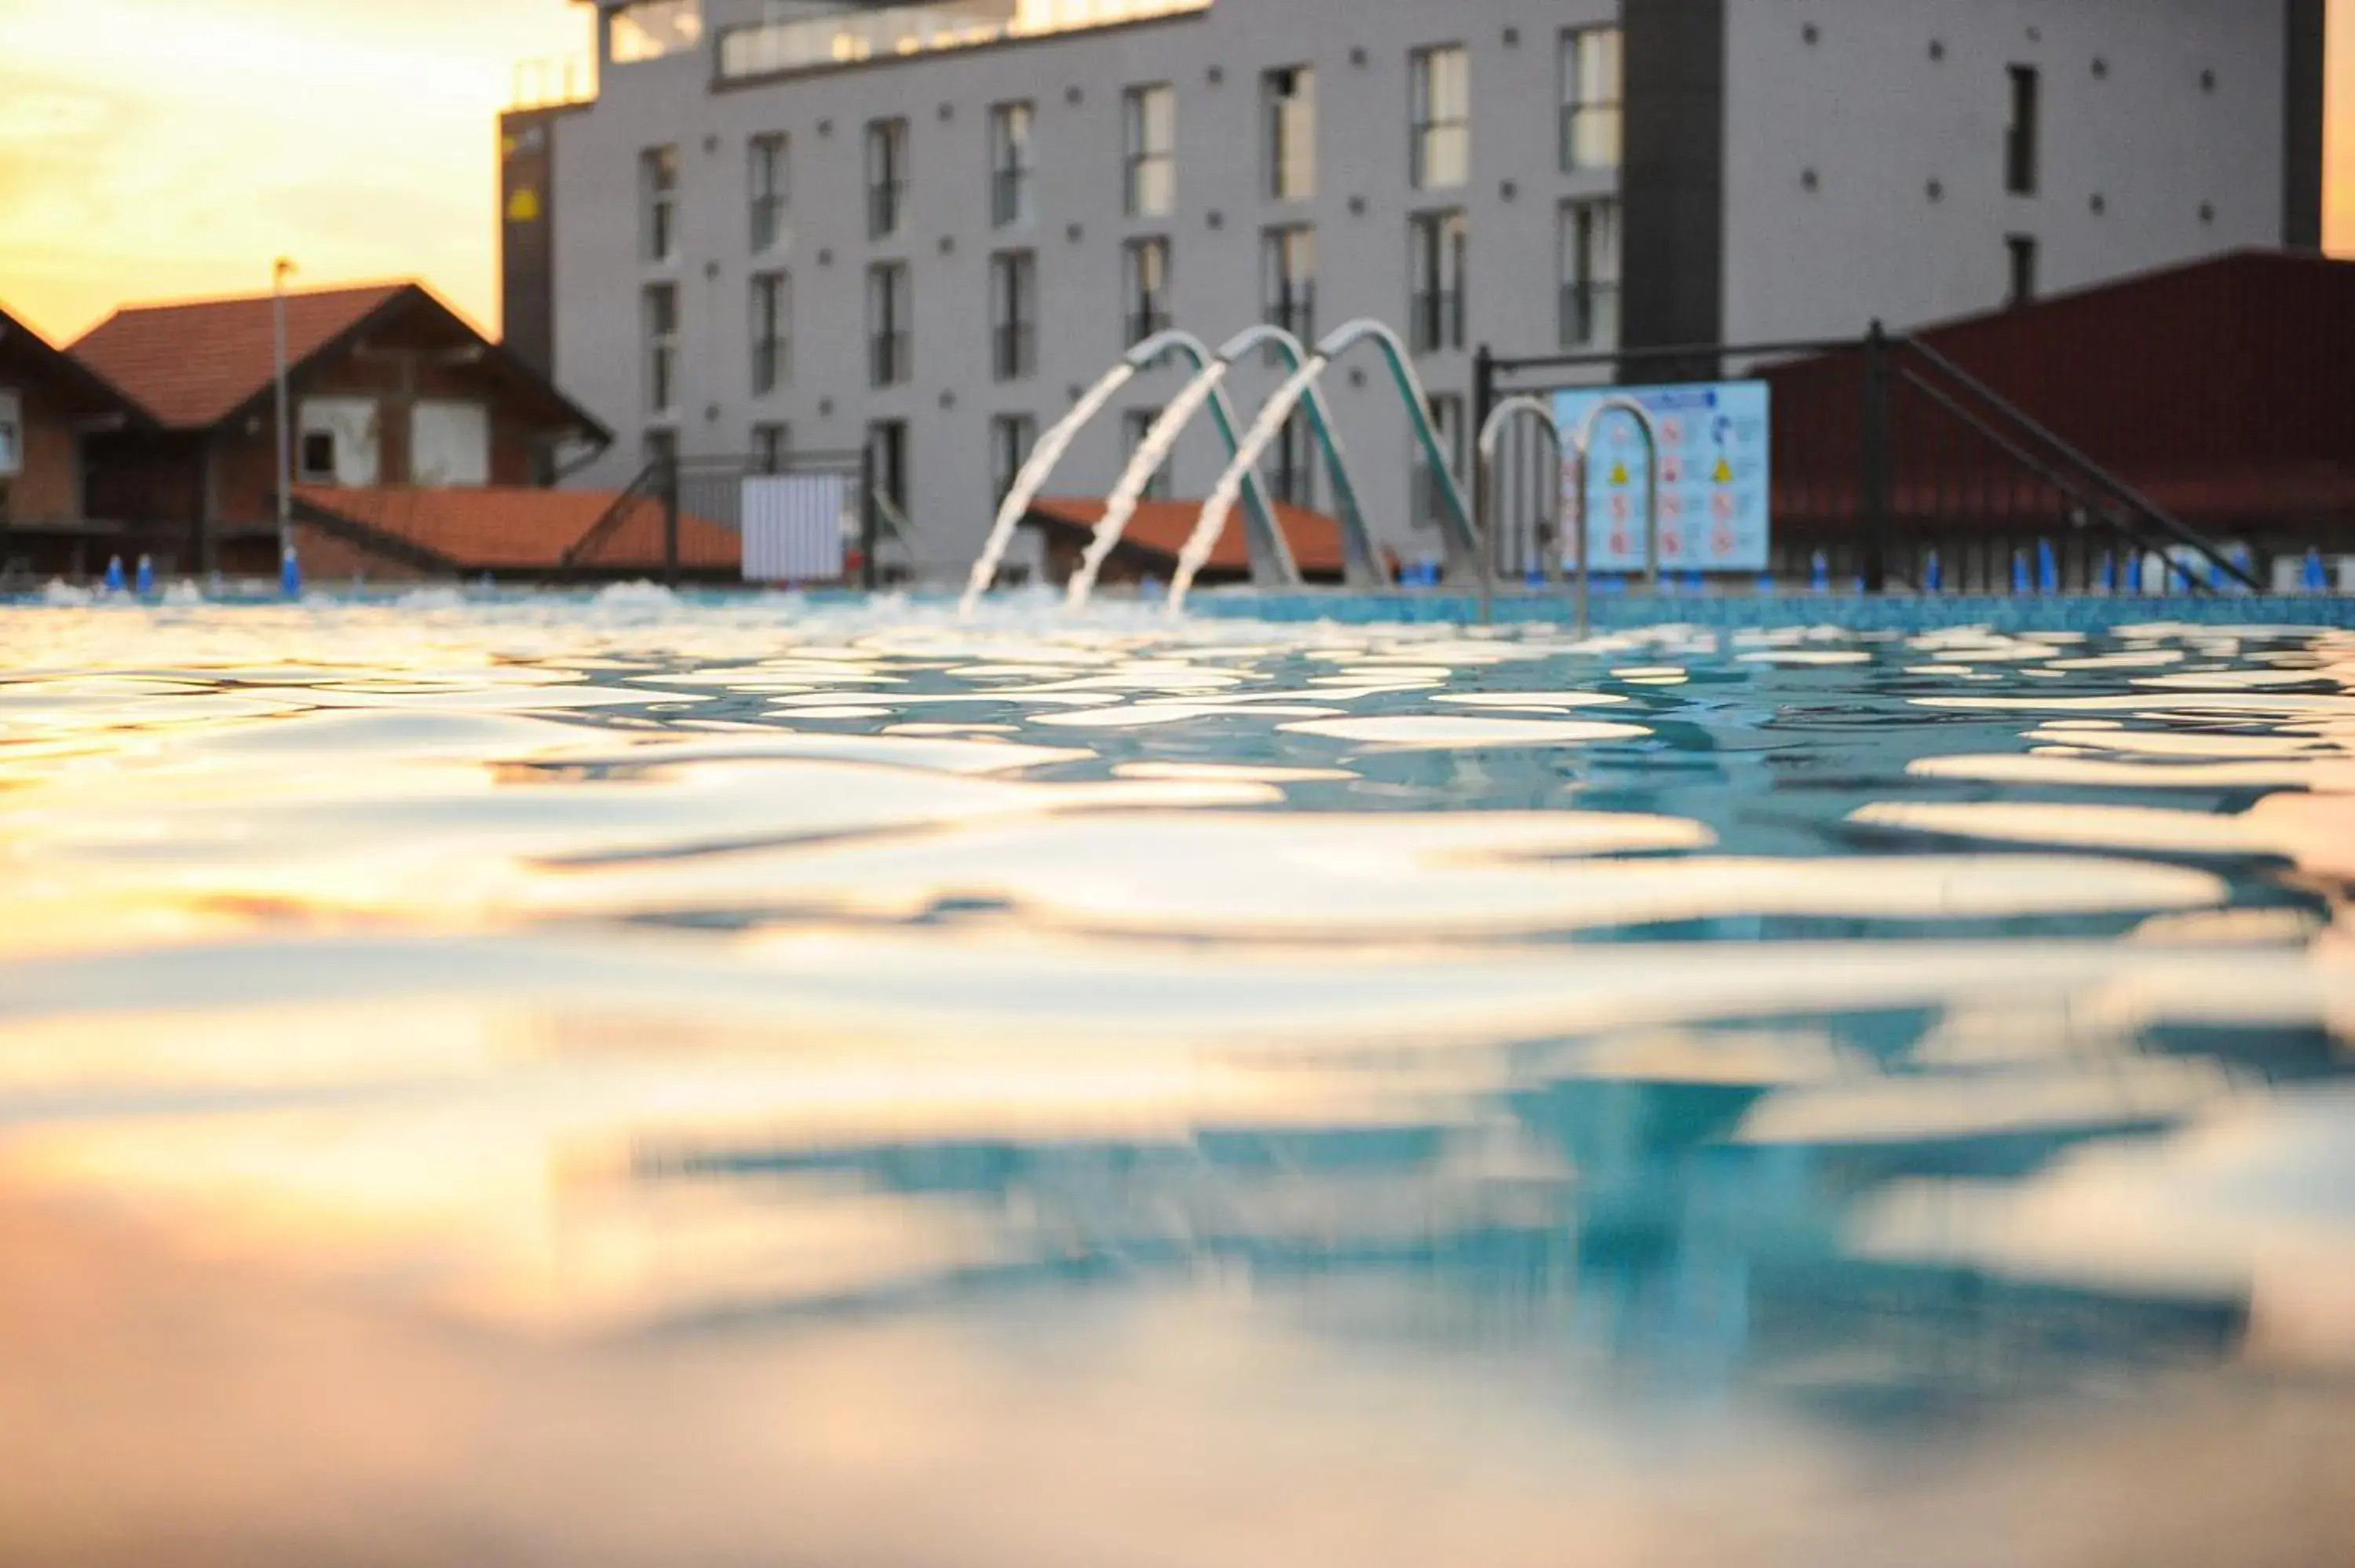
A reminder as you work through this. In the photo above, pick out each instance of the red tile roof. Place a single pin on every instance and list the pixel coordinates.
(193, 364)
(1162, 528)
(493, 529)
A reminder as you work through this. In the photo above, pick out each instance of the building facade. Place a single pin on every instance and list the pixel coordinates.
(387, 387)
(925, 228)
(49, 405)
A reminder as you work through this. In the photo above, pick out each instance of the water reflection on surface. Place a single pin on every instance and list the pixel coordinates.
(637, 1083)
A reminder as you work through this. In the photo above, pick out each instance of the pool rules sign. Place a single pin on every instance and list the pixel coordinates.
(1714, 470)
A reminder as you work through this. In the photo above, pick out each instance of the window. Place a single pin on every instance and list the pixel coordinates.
(1435, 273)
(1010, 165)
(1011, 437)
(1590, 274)
(1591, 79)
(2022, 248)
(888, 323)
(658, 199)
(1151, 146)
(1447, 418)
(1139, 423)
(767, 175)
(1288, 280)
(316, 464)
(345, 435)
(12, 433)
(1441, 107)
(2019, 137)
(661, 310)
(1013, 315)
(649, 29)
(772, 447)
(1144, 265)
(773, 316)
(887, 176)
(887, 446)
(1291, 95)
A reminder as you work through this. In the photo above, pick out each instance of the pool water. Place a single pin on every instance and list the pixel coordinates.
(638, 1081)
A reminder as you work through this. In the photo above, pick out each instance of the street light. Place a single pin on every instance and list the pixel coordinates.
(277, 274)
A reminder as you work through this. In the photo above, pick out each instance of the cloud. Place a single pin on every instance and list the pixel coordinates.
(154, 148)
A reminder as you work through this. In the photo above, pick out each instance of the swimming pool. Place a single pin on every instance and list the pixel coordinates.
(634, 1079)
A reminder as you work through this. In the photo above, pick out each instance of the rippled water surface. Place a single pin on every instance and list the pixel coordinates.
(640, 1083)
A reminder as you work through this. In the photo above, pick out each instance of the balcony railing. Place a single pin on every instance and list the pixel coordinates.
(887, 359)
(1009, 197)
(884, 204)
(1436, 320)
(770, 365)
(840, 39)
(1590, 315)
(1014, 350)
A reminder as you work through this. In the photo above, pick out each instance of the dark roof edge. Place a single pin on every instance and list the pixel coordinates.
(64, 362)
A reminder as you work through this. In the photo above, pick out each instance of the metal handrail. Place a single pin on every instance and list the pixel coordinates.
(1582, 446)
(1491, 433)
(2166, 522)
(1401, 365)
(2118, 520)
(1361, 566)
(610, 521)
(1268, 535)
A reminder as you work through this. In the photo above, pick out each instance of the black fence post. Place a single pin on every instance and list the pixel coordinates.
(1876, 460)
(869, 520)
(670, 483)
(1484, 403)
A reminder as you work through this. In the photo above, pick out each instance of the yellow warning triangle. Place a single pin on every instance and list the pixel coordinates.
(1619, 474)
(1724, 475)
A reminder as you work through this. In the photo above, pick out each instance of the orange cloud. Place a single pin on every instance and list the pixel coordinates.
(152, 148)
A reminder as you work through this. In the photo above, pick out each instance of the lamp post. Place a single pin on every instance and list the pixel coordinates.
(278, 274)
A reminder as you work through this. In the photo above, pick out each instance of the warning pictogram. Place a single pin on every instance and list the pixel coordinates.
(1724, 472)
(1618, 473)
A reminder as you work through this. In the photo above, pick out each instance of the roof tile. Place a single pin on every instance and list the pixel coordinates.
(494, 528)
(192, 365)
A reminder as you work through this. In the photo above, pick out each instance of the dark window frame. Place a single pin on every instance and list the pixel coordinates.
(1288, 115)
(890, 335)
(1012, 162)
(1608, 114)
(2023, 132)
(1147, 310)
(1140, 158)
(1438, 262)
(1430, 132)
(772, 331)
(767, 198)
(887, 176)
(1013, 315)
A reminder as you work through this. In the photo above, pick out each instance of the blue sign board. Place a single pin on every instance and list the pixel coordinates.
(1714, 472)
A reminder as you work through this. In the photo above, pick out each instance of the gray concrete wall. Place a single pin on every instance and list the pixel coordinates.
(1868, 108)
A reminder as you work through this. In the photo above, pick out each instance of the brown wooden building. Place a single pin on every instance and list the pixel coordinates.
(388, 389)
(49, 405)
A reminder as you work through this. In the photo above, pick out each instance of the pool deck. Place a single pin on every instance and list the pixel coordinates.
(1851, 612)
(1610, 611)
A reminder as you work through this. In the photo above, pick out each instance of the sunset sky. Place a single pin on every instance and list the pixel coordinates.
(156, 148)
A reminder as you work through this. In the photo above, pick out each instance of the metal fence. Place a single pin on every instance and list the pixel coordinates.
(710, 490)
(1886, 454)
